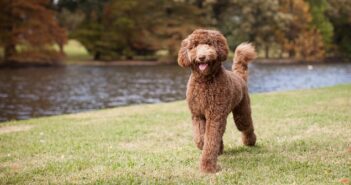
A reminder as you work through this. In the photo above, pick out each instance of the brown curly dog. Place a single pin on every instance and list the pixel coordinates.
(213, 92)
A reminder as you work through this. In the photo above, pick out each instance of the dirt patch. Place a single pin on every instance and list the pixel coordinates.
(17, 128)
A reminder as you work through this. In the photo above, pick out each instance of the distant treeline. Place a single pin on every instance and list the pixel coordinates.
(127, 29)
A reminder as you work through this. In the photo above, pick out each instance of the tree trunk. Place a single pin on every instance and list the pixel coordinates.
(62, 52)
(9, 52)
(291, 53)
(97, 56)
(199, 3)
(266, 51)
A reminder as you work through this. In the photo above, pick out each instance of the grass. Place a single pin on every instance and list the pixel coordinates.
(75, 52)
(304, 137)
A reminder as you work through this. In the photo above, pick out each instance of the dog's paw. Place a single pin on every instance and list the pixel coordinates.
(199, 144)
(249, 139)
(215, 169)
(210, 168)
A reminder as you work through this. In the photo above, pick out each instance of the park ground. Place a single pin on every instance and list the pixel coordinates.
(304, 137)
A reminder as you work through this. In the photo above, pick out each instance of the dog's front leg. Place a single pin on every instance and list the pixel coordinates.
(199, 124)
(212, 143)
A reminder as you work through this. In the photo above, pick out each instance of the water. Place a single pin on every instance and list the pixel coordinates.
(34, 92)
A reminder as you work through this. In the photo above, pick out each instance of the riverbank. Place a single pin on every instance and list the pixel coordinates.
(303, 138)
(282, 61)
(76, 54)
(154, 63)
(328, 60)
(89, 62)
(117, 63)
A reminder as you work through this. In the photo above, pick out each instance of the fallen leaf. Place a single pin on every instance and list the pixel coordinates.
(344, 180)
(15, 167)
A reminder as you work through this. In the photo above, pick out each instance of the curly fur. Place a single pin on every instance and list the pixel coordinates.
(213, 92)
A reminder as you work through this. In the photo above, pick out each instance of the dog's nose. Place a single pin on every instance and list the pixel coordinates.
(202, 58)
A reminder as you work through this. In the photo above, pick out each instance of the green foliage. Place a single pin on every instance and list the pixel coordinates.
(68, 5)
(318, 10)
(257, 21)
(70, 20)
(272, 23)
(121, 30)
(126, 29)
(339, 13)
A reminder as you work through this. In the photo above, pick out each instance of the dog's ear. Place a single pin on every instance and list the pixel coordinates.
(221, 47)
(183, 57)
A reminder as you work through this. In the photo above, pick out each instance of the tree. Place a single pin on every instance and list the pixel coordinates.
(339, 13)
(29, 31)
(70, 5)
(318, 10)
(257, 21)
(177, 20)
(70, 20)
(287, 25)
(300, 35)
(127, 28)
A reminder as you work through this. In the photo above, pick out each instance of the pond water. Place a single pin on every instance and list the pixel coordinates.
(34, 92)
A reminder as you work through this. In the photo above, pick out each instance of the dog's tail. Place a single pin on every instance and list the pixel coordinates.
(244, 53)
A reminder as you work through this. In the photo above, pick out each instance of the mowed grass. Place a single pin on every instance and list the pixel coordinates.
(304, 137)
(75, 51)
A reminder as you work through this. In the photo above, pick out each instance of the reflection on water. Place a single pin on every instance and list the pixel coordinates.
(33, 92)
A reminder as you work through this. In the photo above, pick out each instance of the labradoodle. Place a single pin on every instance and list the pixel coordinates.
(213, 92)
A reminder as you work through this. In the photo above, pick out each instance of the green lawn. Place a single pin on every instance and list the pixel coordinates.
(304, 137)
(75, 52)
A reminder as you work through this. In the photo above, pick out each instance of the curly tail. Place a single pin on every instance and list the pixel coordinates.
(244, 53)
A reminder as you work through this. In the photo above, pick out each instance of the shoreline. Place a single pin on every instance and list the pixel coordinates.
(329, 60)
(157, 63)
(166, 102)
(119, 63)
(154, 63)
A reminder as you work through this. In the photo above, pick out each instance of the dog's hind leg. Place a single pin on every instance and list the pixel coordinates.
(243, 121)
(199, 126)
(221, 148)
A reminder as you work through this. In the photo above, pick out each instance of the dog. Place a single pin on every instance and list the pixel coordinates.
(213, 92)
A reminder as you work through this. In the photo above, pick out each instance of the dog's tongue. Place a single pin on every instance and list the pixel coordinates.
(202, 67)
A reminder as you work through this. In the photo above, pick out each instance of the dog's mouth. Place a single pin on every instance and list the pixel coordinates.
(203, 66)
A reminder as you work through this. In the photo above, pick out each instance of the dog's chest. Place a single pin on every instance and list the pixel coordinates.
(204, 97)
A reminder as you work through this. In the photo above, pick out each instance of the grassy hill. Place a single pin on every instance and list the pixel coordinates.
(304, 137)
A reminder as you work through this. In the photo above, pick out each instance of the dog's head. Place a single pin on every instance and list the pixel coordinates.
(203, 51)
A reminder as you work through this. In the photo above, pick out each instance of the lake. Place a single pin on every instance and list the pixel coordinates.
(35, 92)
